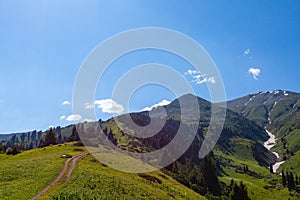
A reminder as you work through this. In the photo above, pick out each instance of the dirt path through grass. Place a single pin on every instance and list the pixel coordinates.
(74, 159)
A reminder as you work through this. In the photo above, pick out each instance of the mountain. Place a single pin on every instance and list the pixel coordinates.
(279, 112)
(276, 109)
(236, 129)
(238, 132)
(239, 153)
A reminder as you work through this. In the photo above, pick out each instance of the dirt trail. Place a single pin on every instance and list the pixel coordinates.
(74, 159)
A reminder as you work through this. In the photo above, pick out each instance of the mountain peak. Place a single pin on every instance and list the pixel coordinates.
(265, 107)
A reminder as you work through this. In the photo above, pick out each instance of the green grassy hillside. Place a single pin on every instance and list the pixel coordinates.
(260, 183)
(93, 180)
(24, 175)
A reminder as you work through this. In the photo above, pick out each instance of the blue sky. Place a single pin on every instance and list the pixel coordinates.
(44, 43)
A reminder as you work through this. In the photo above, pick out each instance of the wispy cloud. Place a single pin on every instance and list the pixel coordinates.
(162, 103)
(255, 72)
(246, 52)
(192, 72)
(62, 117)
(74, 117)
(106, 106)
(66, 102)
(199, 78)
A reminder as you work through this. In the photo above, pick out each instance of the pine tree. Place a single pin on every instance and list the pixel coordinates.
(74, 136)
(59, 139)
(28, 136)
(283, 178)
(244, 192)
(33, 136)
(42, 143)
(208, 170)
(231, 183)
(23, 136)
(239, 192)
(30, 146)
(111, 137)
(271, 169)
(50, 137)
(12, 141)
(292, 180)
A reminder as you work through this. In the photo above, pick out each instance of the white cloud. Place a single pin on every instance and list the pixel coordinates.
(246, 52)
(254, 72)
(203, 79)
(66, 102)
(199, 78)
(162, 103)
(74, 117)
(62, 117)
(192, 72)
(89, 105)
(106, 106)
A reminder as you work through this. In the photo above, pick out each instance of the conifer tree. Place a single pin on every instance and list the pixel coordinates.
(271, 169)
(50, 137)
(74, 136)
(283, 178)
(59, 139)
(208, 170)
(292, 180)
(42, 143)
(239, 192)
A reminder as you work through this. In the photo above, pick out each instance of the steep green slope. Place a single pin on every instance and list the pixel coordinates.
(279, 112)
(93, 180)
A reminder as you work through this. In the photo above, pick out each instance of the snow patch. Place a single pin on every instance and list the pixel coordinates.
(271, 142)
(277, 165)
(248, 101)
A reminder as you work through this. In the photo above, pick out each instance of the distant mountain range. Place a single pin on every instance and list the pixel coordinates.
(278, 111)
